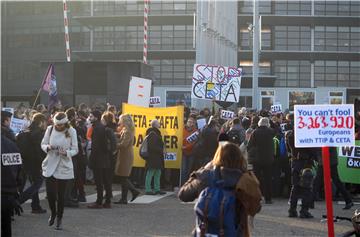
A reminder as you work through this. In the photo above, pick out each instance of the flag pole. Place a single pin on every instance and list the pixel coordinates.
(42, 84)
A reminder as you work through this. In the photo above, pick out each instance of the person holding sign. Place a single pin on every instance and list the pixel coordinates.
(155, 160)
(125, 157)
(190, 136)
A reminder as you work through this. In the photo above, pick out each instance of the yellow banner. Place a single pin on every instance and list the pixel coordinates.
(171, 121)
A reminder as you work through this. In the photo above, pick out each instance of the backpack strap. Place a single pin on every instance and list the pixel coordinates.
(205, 223)
(222, 231)
(51, 129)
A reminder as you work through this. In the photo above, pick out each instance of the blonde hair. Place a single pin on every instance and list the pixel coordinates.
(109, 117)
(229, 155)
(127, 122)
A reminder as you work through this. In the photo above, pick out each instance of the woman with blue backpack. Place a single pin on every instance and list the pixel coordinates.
(221, 209)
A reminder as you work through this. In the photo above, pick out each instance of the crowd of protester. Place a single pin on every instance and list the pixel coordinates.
(71, 146)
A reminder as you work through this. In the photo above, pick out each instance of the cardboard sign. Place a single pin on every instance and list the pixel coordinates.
(324, 125)
(17, 125)
(155, 100)
(201, 123)
(276, 108)
(227, 114)
(193, 137)
(171, 121)
(210, 82)
(139, 91)
(349, 163)
(11, 159)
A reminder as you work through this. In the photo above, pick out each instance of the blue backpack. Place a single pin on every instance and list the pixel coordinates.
(216, 209)
(282, 146)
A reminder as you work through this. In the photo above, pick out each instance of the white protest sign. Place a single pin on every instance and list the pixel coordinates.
(210, 82)
(226, 114)
(193, 137)
(11, 110)
(11, 159)
(170, 156)
(17, 125)
(324, 125)
(201, 123)
(155, 100)
(139, 91)
(349, 151)
(276, 108)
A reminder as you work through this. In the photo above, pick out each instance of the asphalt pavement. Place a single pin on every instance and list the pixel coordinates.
(162, 216)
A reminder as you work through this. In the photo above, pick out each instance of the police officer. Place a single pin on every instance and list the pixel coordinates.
(301, 176)
(5, 125)
(10, 169)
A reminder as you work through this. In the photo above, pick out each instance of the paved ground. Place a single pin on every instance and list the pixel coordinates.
(166, 216)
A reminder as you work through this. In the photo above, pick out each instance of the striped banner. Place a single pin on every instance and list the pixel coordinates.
(66, 25)
(146, 12)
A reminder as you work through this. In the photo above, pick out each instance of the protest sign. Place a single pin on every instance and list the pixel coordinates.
(226, 114)
(171, 121)
(17, 125)
(201, 123)
(139, 91)
(155, 100)
(210, 82)
(324, 125)
(11, 110)
(349, 163)
(276, 108)
(193, 137)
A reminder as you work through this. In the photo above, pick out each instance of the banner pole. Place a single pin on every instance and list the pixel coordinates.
(37, 96)
(42, 84)
(328, 192)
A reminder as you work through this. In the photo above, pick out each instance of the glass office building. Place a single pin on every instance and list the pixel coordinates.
(310, 50)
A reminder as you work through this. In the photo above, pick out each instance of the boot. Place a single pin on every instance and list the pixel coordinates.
(135, 194)
(305, 214)
(58, 223)
(292, 213)
(51, 219)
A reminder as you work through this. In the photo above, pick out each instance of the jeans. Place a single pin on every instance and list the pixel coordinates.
(186, 166)
(55, 191)
(156, 173)
(32, 192)
(102, 181)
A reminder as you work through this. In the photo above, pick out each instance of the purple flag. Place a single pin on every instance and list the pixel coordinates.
(49, 85)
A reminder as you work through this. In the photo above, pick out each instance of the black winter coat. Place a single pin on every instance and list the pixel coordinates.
(99, 157)
(155, 159)
(32, 166)
(261, 146)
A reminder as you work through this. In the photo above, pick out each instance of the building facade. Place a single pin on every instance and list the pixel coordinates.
(309, 49)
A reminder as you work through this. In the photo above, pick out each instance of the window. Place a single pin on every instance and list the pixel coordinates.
(337, 38)
(336, 97)
(292, 38)
(267, 99)
(292, 73)
(337, 73)
(293, 7)
(245, 101)
(344, 8)
(300, 98)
